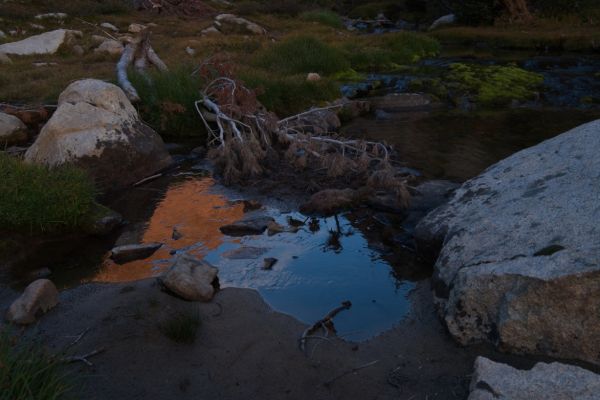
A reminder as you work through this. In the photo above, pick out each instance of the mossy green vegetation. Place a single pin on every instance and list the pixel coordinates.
(325, 17)
(485, 85)
(168, 101)
(494, 85)
(28, 372)
(35, 199)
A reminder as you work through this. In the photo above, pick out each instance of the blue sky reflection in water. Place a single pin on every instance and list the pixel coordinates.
(311, 278)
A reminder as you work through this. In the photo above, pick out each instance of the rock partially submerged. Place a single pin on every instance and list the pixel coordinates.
(520, 259)
(132, 252)
(44, 43)
(12, 130)
(247, 226)
(39, 297)
(191, 278)
(330, 201)
(555, 381)
(96, 128)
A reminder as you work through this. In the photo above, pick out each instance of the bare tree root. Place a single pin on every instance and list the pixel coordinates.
(325, 324)
(140, 53)
(352, 371)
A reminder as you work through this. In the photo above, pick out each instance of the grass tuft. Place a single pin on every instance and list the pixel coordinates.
(182, 327)
(168, 101)
(35, 199)
(28, 372)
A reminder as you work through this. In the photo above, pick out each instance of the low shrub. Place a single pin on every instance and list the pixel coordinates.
(168, 101)
(28, 372)
(35, 199)
(181, 327)
(324, 17)
(301, 55)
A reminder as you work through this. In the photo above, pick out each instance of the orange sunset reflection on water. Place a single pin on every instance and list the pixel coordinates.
(197, 215)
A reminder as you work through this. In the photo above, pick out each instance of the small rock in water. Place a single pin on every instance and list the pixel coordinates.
(176, 235)
(244, 227)
(274, 228)
(131, 252)
(39, 297)
(269, 263)
(251, 205)
(245, 253)
(191, 278)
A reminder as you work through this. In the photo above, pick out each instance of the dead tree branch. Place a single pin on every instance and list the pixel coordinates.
(326, 324)
(138, 52)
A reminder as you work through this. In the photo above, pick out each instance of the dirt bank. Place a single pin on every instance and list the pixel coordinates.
(245, 350)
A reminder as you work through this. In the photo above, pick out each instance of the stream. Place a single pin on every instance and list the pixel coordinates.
(329, 260)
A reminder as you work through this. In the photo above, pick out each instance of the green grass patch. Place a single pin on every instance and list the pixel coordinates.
(301, 55)
(168, 101)
(324, 17)
(389, 51)
(288, 95)
(182, 327)
(28, 372)
(35, 199)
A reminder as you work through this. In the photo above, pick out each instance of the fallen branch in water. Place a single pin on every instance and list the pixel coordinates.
(326, 323)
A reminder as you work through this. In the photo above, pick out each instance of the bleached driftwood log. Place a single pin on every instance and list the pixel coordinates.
(140, 53)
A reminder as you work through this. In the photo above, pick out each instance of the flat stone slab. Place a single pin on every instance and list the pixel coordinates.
(556, 381)
(132, 252)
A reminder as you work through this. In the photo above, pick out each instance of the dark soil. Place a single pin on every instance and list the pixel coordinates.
(245, 350)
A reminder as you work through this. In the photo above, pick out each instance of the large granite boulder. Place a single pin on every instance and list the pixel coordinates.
(96, 127)
(519, 251)
(12, 130)
(556, 381)
(44, 43)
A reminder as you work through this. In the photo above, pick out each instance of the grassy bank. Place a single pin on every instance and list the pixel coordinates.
(37, 200)
(28, 372)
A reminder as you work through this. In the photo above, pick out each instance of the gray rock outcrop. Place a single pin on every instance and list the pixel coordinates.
(519, 251)
(555, 381)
